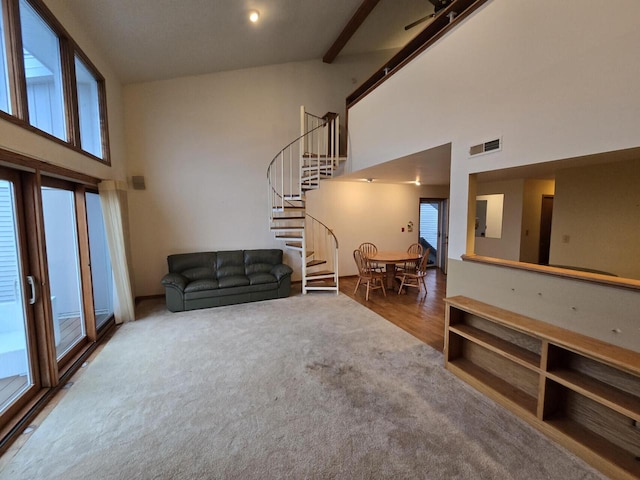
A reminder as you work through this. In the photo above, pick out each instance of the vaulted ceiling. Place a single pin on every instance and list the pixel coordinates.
(148, 40)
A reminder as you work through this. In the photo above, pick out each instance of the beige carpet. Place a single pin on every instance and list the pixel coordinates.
(315, 387)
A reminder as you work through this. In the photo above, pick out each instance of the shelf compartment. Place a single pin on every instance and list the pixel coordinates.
(495, 387)
(601, 392)
(600, 452)
(502, 347)
(609, 386)
(459, 318)
(566, 359)
(522, 378)
(609, 433)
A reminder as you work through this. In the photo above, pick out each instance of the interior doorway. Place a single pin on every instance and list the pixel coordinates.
(434, 230)
(546, 215)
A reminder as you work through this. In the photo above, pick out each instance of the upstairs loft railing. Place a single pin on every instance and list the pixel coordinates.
(440, 25)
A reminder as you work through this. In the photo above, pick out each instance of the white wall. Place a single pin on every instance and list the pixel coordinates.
(360, 212)
(601, 224)
(203, 144)
(544, 75)
(508, 245)
(15, 138)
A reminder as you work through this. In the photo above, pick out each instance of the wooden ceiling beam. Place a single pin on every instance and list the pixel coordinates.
(347, 32)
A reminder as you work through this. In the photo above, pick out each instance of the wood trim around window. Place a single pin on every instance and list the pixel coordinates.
(102, 105)
(23, 162)
(15, 62)
(18, 85)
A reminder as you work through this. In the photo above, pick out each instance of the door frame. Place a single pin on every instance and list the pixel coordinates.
(25, 270)
(443, 230)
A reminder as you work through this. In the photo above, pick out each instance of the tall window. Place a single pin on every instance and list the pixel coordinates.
(88, 109)
(47, 83)
(5, 96)
(43, 71)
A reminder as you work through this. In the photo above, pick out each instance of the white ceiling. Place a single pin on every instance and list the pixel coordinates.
(429, 167)
(148, 40)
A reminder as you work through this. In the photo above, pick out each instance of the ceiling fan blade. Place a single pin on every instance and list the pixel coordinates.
(419, 21)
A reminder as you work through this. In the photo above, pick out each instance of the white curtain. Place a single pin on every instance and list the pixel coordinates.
(113, 198)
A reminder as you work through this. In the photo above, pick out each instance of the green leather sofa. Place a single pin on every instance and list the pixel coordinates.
(212, 279)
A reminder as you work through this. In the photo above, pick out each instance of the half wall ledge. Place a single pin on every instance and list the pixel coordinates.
(591, 277)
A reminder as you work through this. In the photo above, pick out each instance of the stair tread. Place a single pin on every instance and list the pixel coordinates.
(287, 207)
(313, 263)
(307, 168)
(297, 217)
(289, 237)
(294, 228)
(324, 286)
(320, 273)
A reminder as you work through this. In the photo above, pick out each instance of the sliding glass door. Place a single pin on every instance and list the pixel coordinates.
(65, 283)
(17, 292)
(101, 274)
(56, 286)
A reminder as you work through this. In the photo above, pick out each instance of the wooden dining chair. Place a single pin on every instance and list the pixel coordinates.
(414, 277)
(414, 248)
(369, 249)
(374, 280)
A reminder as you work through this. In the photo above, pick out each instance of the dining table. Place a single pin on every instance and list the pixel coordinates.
(391, 258)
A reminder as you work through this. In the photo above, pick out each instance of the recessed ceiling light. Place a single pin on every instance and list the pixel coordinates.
(254, 15)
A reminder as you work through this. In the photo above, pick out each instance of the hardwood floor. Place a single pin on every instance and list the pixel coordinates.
(422, 316)
(70, 333)
(10, 386)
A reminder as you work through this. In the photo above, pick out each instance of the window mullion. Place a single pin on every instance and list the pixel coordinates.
(15, 60)
(70, 88)
(104, 125)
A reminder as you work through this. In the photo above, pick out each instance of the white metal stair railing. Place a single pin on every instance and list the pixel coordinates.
(297, 168)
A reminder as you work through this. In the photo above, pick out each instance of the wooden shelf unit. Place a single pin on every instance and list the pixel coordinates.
(581, 392)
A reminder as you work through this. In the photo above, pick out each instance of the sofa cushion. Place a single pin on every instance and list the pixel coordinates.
(231, 291)
(193, 266)
(260, 278)
(233, 281)
(199, 273)
(200, 285)
(229, 264)
(261, 261)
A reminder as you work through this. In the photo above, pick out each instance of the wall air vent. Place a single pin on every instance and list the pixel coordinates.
(486, 147)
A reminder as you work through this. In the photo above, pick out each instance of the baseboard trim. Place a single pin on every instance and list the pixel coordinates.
(148, 297)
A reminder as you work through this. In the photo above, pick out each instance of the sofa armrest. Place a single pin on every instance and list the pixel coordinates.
(174, 280)
(280, 271)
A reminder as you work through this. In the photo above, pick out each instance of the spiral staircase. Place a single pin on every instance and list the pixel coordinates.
(295, 170)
